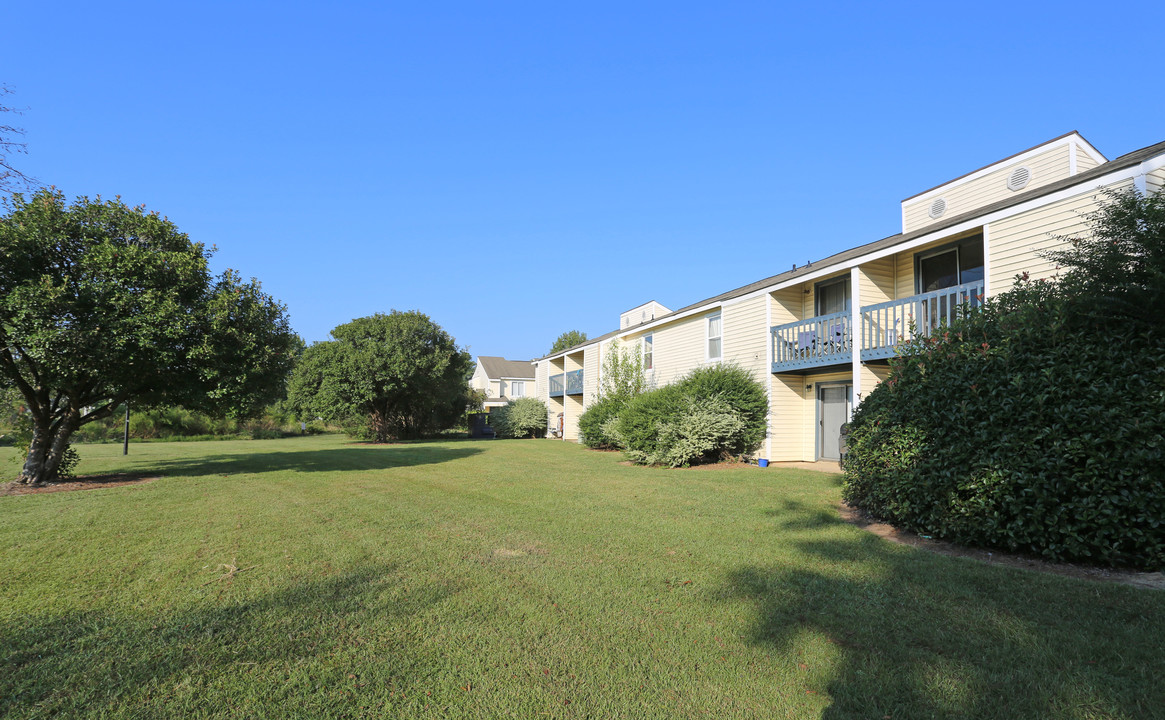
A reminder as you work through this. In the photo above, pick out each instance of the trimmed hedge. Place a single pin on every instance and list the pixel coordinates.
(1030, 425)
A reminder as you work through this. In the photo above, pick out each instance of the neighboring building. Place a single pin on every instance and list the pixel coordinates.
(502, 380)
(820, 336)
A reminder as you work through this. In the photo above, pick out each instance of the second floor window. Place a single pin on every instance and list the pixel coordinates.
(950, 266)
(648, 348)
(714, 337)
(517, 389)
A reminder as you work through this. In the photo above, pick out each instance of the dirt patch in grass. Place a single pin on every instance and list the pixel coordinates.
(854, 516)
(89, 482)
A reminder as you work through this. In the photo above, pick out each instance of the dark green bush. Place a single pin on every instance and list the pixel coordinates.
(521, 418)
(1031, 425)
(595, 423)
(712, 413)
(1036, 423)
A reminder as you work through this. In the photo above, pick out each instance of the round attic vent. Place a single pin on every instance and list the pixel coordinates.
(937, 208)
(1019, 178)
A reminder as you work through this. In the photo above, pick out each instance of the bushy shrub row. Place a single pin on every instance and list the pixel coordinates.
(712, 413)
(595, 423)
(1034, 424)
(520, 418)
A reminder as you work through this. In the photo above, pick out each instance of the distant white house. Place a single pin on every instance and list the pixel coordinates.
(502, 380)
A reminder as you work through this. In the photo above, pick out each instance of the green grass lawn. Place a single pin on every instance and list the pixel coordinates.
(526, 579)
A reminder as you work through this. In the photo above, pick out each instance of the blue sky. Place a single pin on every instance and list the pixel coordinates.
(516, 170)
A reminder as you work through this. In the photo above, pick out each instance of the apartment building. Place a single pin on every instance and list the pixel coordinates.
(820, 336)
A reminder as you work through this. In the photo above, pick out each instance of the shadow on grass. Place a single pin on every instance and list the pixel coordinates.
(795, 515)
(356, 458)
(902, 634)
(308, 644)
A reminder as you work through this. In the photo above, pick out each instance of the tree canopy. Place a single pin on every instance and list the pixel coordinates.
(396, 376)
(568, 339)
(101, 304)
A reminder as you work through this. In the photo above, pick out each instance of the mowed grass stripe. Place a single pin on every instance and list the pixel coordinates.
(525, 579)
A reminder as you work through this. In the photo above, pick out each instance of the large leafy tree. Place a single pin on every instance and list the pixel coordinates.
(101, 304)
(568, 339)
(398, 375)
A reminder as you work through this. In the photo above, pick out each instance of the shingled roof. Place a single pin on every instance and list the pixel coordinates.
(499, 367)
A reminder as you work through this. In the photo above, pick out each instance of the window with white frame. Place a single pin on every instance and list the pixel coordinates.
(648, 348)
(714, 337)
(517, 389)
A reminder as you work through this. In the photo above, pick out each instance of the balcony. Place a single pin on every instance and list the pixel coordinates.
(886, 324)
(556, 385)
(574, 382)
(816, 342)
(827, 339)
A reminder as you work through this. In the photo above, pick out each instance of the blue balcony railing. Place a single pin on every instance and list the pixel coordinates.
(556, 385)
(827, 339)
(574, 382)
(818, 341)
(887, 324)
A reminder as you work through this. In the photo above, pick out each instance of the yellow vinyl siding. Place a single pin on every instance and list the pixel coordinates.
(1046, 167)
(1017, 241)
(788, 407)
(746, 337)
(876, 281)
(1084, 161)
(1155, 181)
(786, 305)
(590, 375)
(679, 347)
(872, 375)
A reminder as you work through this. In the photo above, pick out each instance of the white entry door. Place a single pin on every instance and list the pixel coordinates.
(833, 410)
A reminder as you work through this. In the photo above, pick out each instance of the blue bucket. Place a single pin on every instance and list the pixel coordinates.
(762, 462)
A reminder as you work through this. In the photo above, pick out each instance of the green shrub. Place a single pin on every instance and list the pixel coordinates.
(595, 423)
(637, 428)
(744, 395)
(521, 418)
(688, 422)
(1026, 426)
(700, 431)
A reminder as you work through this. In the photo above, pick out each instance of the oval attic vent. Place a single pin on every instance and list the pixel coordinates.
(1019, 178)
(937, 208)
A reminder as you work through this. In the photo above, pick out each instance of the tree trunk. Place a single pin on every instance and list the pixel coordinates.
(46, 451)
(33, 472)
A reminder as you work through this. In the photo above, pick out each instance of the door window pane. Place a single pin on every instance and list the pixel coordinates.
(833, 297)
(971, 261)
(939, 271)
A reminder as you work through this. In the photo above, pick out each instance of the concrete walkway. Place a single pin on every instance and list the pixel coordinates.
(826, 466)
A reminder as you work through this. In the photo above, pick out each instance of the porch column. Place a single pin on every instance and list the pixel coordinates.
(856, 331)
